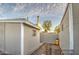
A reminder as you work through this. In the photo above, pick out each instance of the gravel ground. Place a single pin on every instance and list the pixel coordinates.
(45, 49)
(48, 49)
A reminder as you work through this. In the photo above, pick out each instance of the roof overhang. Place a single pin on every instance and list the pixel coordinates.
(20, 20)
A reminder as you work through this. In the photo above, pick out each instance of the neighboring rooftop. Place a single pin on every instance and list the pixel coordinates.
(21, 20)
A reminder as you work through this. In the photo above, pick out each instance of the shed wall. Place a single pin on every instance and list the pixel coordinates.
(75, 8)
(64, 34)
(10, 34)
(31, 42)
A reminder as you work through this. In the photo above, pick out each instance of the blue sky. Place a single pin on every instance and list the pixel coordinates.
(46, 11)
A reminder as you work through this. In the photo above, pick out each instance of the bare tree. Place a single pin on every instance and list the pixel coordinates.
(47, 25)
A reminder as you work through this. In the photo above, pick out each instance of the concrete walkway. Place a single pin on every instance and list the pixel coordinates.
(48, 49)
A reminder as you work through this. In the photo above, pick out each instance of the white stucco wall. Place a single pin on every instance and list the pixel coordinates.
(30, 42)
(48, 37)
(75, 8)
(10, 38)
(64, 34)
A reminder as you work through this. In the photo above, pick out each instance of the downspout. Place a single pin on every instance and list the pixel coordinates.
(71, 47)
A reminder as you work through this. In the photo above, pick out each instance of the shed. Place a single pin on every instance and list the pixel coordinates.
(18, 36)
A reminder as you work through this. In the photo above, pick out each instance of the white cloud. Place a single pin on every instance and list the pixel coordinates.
(34, 11)
(19, 6)
(29, 9)
(0, 4)
(40, 9)
(1, 9)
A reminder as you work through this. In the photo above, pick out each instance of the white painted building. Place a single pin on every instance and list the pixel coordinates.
(69, 35)
(18, 36)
